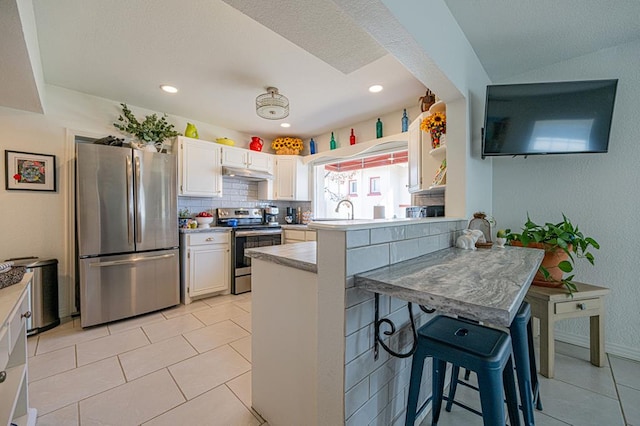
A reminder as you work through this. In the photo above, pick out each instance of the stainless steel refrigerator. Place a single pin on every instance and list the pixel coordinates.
(126, 218)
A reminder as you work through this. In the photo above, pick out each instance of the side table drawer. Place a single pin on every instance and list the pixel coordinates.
(577, 305)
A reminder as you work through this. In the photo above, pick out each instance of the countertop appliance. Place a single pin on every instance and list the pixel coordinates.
(271, 215)
(250, 231)
(425, 211)
(127, 222)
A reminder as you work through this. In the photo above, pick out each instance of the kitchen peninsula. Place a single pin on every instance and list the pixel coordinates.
(313, 328)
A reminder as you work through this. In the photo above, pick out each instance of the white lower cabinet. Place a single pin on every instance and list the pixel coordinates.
(298, 236)
(14, 394)
(205, 265)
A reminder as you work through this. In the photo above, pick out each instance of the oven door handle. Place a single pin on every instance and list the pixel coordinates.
(257, 233)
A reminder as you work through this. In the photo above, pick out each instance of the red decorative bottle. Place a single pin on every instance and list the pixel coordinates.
(352, 138)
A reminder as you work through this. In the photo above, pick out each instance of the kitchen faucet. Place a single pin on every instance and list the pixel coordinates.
(348, 202)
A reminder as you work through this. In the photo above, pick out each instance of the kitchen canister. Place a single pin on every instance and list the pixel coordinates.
(378, 212)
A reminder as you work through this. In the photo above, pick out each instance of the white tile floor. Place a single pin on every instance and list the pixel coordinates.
(192, 365)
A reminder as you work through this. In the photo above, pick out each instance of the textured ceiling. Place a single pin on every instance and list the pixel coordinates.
(319, 27)
(512, 37)
(222, 57)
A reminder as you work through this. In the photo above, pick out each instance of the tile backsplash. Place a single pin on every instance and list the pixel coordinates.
(237, 193)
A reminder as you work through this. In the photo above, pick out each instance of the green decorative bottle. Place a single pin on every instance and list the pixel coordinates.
(332, 144)
(378, 129)
(405, 121)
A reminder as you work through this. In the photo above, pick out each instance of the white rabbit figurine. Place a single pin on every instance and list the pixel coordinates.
(468, 239)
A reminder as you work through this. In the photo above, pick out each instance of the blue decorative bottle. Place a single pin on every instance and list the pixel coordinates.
(312, 146)
(332, 143)
(378, 129)
(405, 121)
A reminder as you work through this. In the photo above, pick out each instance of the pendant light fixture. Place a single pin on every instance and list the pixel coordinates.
(272, 105)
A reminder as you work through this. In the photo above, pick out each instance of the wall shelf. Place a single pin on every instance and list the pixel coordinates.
(376, 146)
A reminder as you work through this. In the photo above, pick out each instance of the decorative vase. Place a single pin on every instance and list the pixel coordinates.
(552, 257)
(150, 147)
(191, 131)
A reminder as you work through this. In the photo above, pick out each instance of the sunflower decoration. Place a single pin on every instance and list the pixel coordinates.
(436, 125)
(287, 145)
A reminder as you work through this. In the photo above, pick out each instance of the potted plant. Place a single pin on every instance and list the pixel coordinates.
(562, 242)
(150, 132)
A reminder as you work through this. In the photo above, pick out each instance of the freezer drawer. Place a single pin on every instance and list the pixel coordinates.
(116, 287)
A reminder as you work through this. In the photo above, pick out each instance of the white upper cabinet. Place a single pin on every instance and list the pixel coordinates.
(260, 161)
(415, 155)
(291, 180)
(199, 170)
(243, 158)
(425, 162)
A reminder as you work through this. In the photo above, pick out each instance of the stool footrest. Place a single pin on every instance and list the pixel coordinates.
(460, 404)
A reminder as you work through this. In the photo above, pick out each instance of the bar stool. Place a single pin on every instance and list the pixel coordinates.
(525, 361)
(484, 350)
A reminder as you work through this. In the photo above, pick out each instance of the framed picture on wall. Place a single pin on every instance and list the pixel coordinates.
(26, 171)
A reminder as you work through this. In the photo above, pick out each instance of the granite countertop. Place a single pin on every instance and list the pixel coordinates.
(298, 255)
(357, 224)
(484, 284)
(211, 229)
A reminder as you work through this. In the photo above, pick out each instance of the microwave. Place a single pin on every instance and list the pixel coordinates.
(425, 211)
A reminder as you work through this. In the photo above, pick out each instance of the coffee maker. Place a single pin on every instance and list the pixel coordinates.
(291, 216)
(271, 216)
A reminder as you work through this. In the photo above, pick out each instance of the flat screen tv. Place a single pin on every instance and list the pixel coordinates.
(548, 118)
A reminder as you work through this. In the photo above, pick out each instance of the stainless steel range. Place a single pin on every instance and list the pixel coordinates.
(249, 230)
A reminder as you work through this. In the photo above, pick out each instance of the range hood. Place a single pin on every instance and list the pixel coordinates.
(246, 174)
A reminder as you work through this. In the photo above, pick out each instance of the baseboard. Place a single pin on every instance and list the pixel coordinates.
(610, 348)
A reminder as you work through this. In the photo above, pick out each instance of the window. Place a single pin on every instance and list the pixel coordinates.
(374, 186)
(351, 179)
(353, 188)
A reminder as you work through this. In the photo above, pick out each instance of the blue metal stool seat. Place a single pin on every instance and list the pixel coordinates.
(525, 361)
(484, 350)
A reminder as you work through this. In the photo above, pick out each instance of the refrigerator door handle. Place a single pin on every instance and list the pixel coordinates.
(129, 201)
(138, 202)
(130, 261)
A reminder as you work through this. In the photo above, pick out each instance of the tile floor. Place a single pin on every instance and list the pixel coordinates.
(192, 365)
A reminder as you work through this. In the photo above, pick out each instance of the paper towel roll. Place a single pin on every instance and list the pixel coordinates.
(378, 212)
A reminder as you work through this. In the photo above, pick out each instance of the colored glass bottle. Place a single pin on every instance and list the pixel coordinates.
(332, 144)
(312, 146)
(405, 121)
(378, 129)
(352, 138)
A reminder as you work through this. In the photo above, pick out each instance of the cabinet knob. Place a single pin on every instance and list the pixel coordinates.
(209, 239)
(582, 306)
(3, 376)
(26, 314)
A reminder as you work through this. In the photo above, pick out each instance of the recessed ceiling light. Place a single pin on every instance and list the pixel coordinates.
(375, 88)
(285, 125)
(169, 89)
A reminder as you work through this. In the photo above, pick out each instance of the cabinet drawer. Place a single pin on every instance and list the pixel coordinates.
(208, 238)
(292, 234)
(577, 305)
(310, 236)
(16, 321)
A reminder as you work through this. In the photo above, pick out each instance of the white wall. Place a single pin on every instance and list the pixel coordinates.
(426, 39)
(35, 223)
(599, 192)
